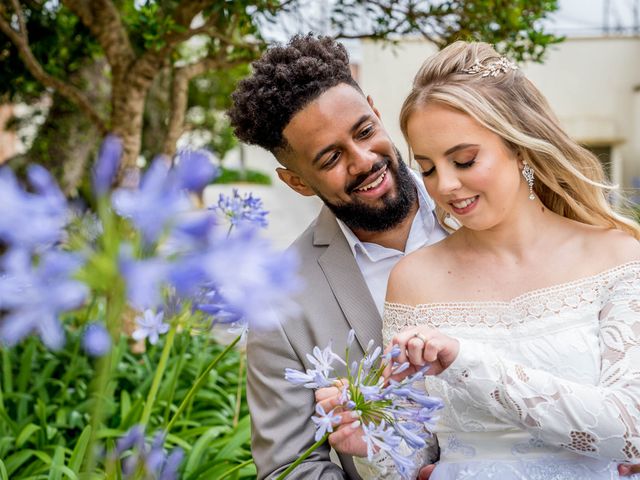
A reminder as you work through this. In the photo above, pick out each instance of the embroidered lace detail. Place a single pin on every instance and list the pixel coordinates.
(537, 304)
(561, 363)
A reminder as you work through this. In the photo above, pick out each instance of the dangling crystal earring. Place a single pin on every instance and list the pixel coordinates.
(527, 173)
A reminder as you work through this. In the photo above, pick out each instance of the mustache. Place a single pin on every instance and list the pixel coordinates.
(385, 161)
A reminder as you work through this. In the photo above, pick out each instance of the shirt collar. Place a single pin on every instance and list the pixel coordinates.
(424, 218)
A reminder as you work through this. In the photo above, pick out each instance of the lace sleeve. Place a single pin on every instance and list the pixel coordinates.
(600, 420)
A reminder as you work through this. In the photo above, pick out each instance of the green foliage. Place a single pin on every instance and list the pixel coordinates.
(233, 32)
(58, 40)
(46, 405)
(228, 175)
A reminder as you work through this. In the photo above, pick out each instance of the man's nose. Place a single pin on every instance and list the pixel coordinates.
(361, 160)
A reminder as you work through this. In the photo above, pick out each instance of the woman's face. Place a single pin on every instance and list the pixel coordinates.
(467, 169)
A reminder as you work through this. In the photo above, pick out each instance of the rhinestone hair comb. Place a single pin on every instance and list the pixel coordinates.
(492, 69)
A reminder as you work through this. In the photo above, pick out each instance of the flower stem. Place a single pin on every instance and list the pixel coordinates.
(302, 457)
(201, 379)
(236, 415)
(162, 365)
(235, 469)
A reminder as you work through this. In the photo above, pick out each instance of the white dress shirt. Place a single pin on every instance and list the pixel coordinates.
(376, 261)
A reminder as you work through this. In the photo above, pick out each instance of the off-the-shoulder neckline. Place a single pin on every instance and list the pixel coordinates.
(525, 295)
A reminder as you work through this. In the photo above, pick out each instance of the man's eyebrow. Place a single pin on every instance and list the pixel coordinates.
(328, 148)
(460, 146)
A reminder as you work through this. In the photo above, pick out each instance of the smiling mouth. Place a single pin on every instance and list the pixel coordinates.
(460, 204)
(373, 184)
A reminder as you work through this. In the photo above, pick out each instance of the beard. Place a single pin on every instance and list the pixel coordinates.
(358, 215)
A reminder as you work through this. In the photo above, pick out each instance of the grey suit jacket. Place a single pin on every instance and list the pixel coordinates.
(335, 299)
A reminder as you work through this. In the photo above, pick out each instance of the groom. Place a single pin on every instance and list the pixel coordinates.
(302, 105)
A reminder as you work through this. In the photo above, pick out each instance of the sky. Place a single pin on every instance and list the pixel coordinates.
(591, 17)
(574, 18)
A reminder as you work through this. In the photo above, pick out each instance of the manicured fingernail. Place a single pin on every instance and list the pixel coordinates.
(355, 414)
(355, 424)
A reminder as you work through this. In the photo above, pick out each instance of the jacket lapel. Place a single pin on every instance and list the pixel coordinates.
(346, 281)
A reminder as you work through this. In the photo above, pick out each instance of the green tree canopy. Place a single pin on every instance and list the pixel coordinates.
(104, 60)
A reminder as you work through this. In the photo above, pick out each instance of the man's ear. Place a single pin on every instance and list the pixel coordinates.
(294, 181)
(373, 107)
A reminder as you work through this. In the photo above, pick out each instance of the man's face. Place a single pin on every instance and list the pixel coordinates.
(341, 152)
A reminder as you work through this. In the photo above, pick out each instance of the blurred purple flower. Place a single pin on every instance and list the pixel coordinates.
(106, 167)
(144, 279)
(96, 340)
(150, 460)
(155, 205)
(150, 325)
(195, 170)
(45, 209)
(242, 209)
(171, 465)
(34, 296)
(133, 438)
(252, 279)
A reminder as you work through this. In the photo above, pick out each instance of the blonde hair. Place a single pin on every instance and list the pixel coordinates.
(570, 180)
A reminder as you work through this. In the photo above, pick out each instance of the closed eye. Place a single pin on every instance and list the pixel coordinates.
(331, 161)
(464, 165)
(366, 132)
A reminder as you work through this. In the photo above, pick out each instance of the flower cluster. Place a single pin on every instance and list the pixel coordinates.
(145, 251)
(170, 246)
(239, 209)
(144, 461)
(397, 416)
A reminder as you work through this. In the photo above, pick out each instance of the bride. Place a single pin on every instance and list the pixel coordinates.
(529, 313)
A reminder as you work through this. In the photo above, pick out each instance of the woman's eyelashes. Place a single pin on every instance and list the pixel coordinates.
(462, 165)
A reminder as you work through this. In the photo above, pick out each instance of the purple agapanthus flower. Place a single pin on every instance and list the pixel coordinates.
(396, 417)
(151, 326)
(155, 205)
(242, 209)
(195, 169)
(96, 340)
(34, 295)
(150, 460)
(324, 421)
(144, 279)
(45, 209)
(253, 280)
(106, 168)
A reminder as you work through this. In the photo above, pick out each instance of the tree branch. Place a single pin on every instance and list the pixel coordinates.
(103, 20)
(68, 91)
(179, 96)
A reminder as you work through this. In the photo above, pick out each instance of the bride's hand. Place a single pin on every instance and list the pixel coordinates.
(421, 346)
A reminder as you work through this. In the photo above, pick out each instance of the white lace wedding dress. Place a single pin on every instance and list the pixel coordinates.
(546, 386)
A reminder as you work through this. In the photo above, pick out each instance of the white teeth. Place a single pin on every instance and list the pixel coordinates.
(464, 203)
(373, 184)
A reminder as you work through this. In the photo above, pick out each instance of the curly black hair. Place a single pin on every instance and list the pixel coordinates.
(284, 80)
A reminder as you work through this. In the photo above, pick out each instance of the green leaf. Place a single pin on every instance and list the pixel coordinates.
(75, 461)
(56, 462)
(3, 471)
(26, 433)
(198, 452)
(240, 436)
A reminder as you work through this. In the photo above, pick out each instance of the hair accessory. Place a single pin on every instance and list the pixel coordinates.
(527, 173)
(493, 69)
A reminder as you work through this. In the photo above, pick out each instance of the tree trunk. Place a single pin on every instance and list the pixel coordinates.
(66, 142)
